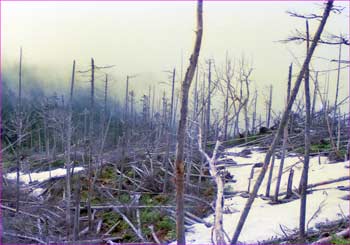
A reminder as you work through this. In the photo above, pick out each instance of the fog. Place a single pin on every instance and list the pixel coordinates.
(147, 38)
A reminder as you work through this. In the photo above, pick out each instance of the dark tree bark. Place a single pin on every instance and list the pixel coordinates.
(267, 193)
(179, 162)
(290, 184)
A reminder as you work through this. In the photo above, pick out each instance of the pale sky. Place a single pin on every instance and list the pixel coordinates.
(147, 38)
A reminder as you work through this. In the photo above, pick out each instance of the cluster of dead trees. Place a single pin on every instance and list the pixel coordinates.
(170, 137)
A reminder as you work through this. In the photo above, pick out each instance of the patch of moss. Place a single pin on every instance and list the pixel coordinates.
(171, 235)
(94, 199)
(128, 237)
(146, 199)
(110, 218)
(108, 175)
(57, 164)
(123, 225)
(130, 173)
(149, 216)
(124, 198)
(8, 164)
(161, 199)
(166, 223)
(314, 148)
(339, 240)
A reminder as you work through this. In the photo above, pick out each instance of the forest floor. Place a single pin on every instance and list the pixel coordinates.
(268, 221)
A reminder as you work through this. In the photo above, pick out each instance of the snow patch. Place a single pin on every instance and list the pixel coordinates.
(41, 176)
(264, 219)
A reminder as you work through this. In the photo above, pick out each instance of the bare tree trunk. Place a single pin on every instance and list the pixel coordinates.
(269, 105)
(77, 210)
(172, 102)
(19, 129)
(285, 138)
(337, 88)
(68, 153)
(219, 202)
(179, 162)
(246, 118)
(282, 123)
(304, 177)
(254, 113)
(267, 193)
(91, 134)
(338, 131)
(226, 105)
(290, 184)
(169, 132)
(314, 96)
(208, 102)
(39, 141)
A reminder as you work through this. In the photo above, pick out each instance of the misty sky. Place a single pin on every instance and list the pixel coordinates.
(147, 38)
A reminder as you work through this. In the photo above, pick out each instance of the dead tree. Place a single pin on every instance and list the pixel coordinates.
(254, 112)
(314, 97)
(207, 134)
(19, 128)
(268, 109)
(68, 153)
(179, 162)
(91, 135)
(282, 123)
(218, 229)
(267, 193)
(246, 76)
(285, 138)
(304, 177)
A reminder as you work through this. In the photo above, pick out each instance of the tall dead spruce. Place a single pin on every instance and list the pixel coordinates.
(283, 122)
(179, 162)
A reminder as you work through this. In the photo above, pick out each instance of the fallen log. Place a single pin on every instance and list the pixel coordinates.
(196, 218)
(154, 235)
(21, 212)
(326, 240)
(327, 182)
(99, 240)
(24, 237)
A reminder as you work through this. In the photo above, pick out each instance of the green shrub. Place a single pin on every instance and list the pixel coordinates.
(166, 223)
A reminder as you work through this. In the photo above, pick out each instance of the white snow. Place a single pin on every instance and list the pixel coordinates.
(37, 192)
(264, 219)
(41, 176)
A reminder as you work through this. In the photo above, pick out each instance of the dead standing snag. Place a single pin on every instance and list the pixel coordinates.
(179, 162)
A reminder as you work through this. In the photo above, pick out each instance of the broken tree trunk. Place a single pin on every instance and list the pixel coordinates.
(290, 184)
(218, 229)
(327, 182)
(267, 194)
